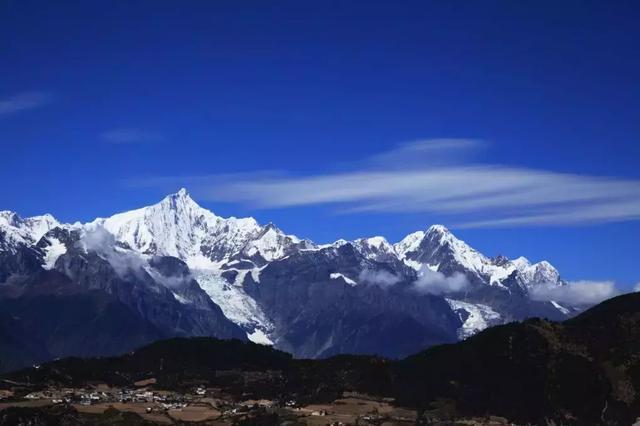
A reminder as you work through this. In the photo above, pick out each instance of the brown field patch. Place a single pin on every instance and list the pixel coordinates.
(194, 413)
(32, 403)
(132, 407)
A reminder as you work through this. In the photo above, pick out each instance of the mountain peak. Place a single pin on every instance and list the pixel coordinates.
(182, 204)
(9, 217)
(409, 243)
(376, 241)
(26, 229)
(521, 261)
(170, 227)
(182, 195)
(440, 235)
(439, 229)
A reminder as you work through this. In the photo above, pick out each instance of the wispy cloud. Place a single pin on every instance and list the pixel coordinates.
(130, 135)
(577, 293)
(381, 278)
(434, 282)
(428, 281)
(24, 101)
(437, 177)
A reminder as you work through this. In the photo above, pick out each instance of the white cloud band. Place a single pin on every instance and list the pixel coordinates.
(576, 293)
(424, 177)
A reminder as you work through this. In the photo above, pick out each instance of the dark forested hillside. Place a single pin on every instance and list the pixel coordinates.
(582, 371)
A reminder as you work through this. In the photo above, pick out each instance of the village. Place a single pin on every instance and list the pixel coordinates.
(208, 405)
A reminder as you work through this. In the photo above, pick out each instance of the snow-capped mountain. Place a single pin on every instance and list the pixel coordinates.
(440, 250)
(376, 248)
(211, 246)
(313, 300)
(16, 230)
(178, 226)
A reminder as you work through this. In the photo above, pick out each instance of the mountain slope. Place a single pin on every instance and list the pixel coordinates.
(582, 371)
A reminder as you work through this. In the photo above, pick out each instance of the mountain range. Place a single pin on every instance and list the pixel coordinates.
(177, 269)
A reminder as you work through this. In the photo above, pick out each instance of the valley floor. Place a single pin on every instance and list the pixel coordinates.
(206, 406)
(105, 405)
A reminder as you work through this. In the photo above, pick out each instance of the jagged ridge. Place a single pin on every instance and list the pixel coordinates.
(276, 286)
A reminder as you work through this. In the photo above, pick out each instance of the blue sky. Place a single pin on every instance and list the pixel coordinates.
(515, 124)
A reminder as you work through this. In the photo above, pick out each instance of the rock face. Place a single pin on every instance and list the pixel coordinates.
(318, 311)
(177, 269)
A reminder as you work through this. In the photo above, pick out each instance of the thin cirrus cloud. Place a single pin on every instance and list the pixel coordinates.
(436, 177)
(130, 135)
(24, 101)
